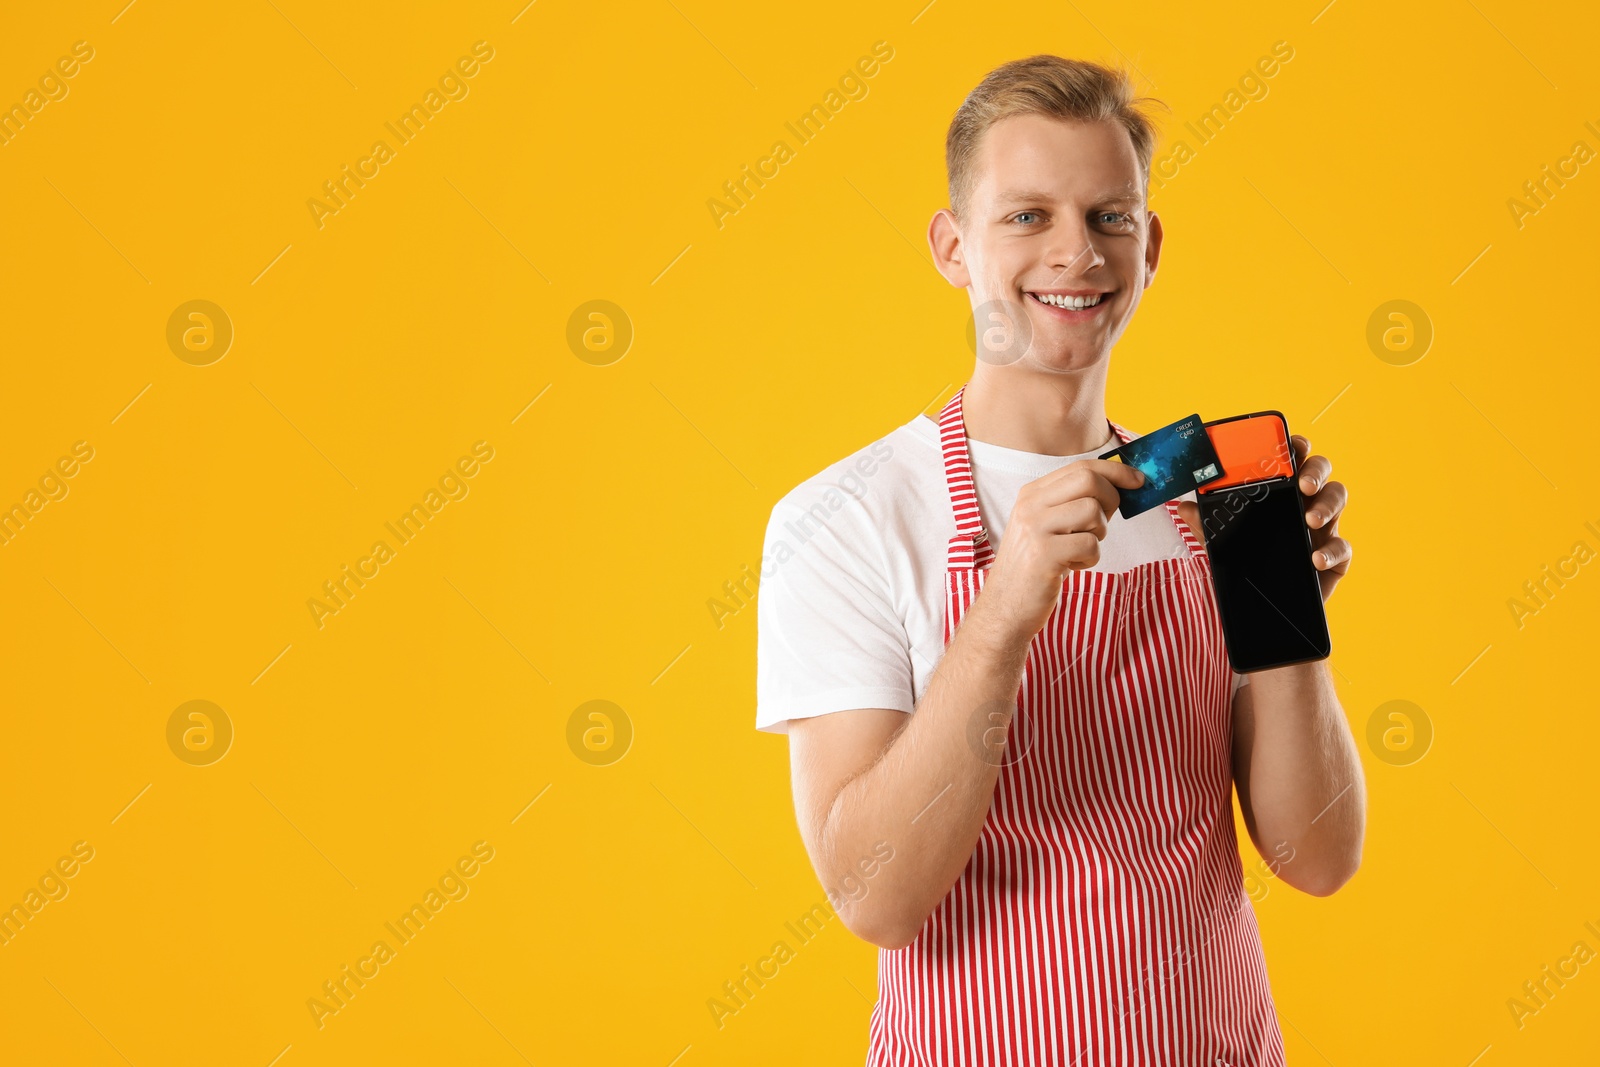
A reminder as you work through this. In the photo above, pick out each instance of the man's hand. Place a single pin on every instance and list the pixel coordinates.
(1295, 762)
(1325, 502)
(1056, 526)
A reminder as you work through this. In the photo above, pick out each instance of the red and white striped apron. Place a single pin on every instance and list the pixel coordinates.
(1102, 920)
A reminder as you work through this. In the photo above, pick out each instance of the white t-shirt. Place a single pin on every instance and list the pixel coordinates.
(850, 606)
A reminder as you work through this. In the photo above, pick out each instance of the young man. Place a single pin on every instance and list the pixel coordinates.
(1044, 847)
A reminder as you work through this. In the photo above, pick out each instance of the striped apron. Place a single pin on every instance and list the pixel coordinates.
(1102, 920)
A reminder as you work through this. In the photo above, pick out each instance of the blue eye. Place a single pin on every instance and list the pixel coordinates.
(1022, 213)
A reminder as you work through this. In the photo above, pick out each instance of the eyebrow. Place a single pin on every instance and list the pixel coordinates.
(1012, 196)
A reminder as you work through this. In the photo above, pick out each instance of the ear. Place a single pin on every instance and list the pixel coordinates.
(949, 258)
(1152, 249)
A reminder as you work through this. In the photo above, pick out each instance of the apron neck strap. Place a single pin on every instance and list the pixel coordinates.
(958, 476)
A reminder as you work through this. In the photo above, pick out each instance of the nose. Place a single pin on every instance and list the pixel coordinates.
(1072, 251)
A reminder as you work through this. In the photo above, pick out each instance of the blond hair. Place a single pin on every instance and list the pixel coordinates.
(1071, 89)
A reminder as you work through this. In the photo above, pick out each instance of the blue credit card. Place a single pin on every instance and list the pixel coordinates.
(1175, 459)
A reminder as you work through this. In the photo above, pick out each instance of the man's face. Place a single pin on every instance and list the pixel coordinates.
(1056, 211)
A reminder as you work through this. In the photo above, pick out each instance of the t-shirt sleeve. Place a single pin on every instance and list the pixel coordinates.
(827, 637)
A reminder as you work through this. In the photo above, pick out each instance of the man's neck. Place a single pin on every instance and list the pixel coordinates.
(1047, 414)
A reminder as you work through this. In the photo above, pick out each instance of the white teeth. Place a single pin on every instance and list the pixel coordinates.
(1076, 302)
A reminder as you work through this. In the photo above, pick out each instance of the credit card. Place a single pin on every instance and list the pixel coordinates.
(1175, 459)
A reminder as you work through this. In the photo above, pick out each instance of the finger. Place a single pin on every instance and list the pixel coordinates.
(1326, 507)
(1108, 496)
(1114, 471)
(1081, 515)
(1301, 446)
(1104, 476)
(1109, 479)
(1335, 553)
(1059, 485)
(1079, 551)
(1313, 472)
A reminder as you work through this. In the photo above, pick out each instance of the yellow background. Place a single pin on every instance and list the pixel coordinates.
(432, 310)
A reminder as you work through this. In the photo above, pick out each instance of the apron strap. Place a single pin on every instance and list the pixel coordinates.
(969, 549)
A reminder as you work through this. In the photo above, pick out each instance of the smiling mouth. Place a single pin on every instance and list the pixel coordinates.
(1070, 303)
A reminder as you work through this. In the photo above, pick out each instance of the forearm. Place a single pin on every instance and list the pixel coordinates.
(930, 790)
(1301, 776)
